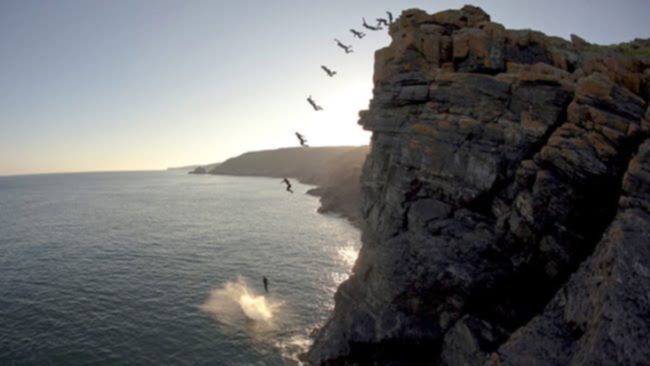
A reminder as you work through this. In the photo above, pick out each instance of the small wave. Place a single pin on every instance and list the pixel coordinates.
(294, 348)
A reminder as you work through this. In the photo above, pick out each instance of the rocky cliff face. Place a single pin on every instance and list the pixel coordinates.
(507, 202)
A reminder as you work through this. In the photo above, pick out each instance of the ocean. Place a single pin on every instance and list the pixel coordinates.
(164, 268)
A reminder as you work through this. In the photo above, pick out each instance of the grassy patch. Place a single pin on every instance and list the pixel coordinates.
(639, 52)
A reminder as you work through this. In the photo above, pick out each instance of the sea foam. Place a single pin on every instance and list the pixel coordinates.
(236, 300)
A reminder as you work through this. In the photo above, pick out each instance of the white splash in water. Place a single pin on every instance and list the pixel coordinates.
(255, 307)
(348, 255)
(235, 299)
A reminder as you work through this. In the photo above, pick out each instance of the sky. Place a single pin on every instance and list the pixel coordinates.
(90, 85)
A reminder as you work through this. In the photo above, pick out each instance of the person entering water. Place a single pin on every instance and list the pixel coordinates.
(266, 283)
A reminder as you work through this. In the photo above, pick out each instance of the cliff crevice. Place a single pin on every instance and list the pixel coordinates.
(504, 193)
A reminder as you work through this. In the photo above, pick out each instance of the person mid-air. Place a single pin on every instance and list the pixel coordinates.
(286, 181)
(367, 26)
(382, 21)
(390, 17)
(347, 49)
(313, 104)
(357, 33)
(302, 139)
(329, 72)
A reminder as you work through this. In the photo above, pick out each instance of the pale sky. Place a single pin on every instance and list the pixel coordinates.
(90, 85)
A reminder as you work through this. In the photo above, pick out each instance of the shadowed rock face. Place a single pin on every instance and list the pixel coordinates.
(506, 199)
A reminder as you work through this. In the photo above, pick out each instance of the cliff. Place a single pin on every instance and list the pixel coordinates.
(340, 192)
(506, 200)
(336, 170)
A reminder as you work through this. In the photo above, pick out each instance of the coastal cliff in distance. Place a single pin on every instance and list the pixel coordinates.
(506, 199)
(335, 170)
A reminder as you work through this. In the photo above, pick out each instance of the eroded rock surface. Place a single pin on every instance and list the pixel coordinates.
(506, 200)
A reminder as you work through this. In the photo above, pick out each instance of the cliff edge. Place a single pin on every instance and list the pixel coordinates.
(506, 198)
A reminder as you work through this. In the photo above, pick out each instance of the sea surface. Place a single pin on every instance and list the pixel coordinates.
(164, 268)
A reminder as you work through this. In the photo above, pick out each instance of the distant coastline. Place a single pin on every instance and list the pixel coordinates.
(335, 170)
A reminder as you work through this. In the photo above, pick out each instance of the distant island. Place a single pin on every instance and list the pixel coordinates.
(335, 170)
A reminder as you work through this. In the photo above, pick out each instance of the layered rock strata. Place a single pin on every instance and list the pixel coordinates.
(506, 198)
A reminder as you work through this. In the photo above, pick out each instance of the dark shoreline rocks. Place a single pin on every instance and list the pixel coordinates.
(199, 170)
(505, 199)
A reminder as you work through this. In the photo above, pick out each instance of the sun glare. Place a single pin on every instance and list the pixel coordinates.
(338, 124)
(348, 255)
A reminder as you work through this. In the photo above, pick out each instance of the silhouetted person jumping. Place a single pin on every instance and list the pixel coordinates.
(329, 72)
(390, 17)
(357, 33)
(303, 140)
(286, 181)
(382, 21)
(347, 49)
(266, 284)
(367, 26)
(314, 105)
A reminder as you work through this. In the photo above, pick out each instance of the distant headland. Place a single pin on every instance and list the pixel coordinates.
(335, 170)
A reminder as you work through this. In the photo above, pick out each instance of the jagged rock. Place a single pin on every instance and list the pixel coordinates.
(578, 41)
(496, 168)
(484, 97)
(480, 50)
(465, 343)
(468, 16)
(636, 182)
(600, 317)
(645, 85)
(427, 210)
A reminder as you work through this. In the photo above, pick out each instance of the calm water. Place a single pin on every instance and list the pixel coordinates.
(119, 268)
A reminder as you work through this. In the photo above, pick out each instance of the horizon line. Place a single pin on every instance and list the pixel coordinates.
(176, 167)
